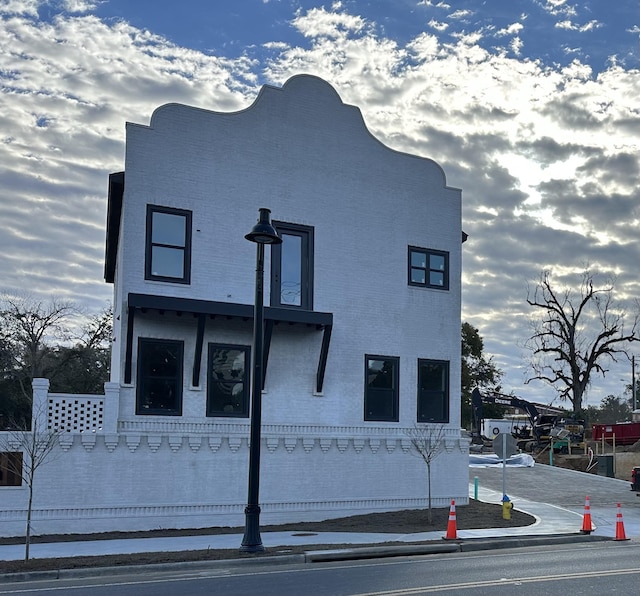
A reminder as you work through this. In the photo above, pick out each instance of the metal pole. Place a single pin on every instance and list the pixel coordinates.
(504, 464)
(633, 381)
(252, 542)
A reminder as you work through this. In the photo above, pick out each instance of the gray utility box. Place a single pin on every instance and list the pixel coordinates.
(606, 466)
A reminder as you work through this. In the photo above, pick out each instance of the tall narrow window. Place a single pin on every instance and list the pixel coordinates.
(433, 391)
(159, 382)
(428, 268)
(168, 244)
(228, 381)
(292, 267)
(381, 388)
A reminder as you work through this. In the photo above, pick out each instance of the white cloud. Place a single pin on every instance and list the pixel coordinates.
(512, 29)
(320, 22)
(431, 4)
(516, 46)
(20, 7)
(69, 86)
(438, 25)
(459, 14)
(571, 26)
(80, 6)
(558, 7)
(547, 157)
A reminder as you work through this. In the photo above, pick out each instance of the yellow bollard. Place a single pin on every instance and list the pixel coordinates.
(506, 507)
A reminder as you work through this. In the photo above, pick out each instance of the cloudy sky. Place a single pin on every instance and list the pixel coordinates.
(532, 107)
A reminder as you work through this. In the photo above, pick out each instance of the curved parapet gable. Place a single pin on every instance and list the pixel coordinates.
(306, 102)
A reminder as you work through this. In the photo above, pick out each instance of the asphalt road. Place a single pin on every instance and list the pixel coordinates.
(592, 568)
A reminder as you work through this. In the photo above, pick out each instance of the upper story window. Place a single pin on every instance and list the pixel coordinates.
(433, 391)
(159, 381)
(428, 268)
(292, 267)
(228, 381)
(168, 244)
(381, 388)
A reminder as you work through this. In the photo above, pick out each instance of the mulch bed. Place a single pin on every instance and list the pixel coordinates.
(475, 515)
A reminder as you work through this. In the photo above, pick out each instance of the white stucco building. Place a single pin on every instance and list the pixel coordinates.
(362, 326)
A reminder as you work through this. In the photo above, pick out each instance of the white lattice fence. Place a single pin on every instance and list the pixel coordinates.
(73, 413)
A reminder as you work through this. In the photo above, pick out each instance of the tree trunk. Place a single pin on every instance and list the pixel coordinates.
(27, 538)
(429, 514)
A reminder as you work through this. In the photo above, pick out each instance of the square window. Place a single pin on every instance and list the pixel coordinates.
(428, 268)
(433, 391)
(381, 388)
(228, 381)
(159, 381)
(168, 244)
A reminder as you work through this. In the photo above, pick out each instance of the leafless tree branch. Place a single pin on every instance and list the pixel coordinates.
(575, 334)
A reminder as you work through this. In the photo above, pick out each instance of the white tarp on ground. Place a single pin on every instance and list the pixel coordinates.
(519, 460)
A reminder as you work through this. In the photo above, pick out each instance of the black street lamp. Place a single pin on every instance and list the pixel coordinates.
(262, 233)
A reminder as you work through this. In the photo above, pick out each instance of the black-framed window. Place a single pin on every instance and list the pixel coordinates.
(10, 468)
(433, 391)
(168, 244)
(159, 379)
(292, 267)
(381, 388)
(428, 268)
(228, 380)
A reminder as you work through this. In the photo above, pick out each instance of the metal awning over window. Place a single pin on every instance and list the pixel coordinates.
(205, 310)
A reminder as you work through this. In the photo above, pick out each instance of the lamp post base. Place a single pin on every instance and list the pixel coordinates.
(252, 542)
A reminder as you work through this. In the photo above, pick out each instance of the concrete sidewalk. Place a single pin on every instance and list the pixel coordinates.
(550, 520)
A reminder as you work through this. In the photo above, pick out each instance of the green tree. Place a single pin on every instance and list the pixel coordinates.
(614, 409)
(50, 339)
(84, 366)
(477, 370)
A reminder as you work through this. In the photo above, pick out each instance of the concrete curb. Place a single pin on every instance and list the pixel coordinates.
(324, 556)
(450, 546)
(125, 569)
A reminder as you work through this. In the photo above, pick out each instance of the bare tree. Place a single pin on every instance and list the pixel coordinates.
(29, 450)
(576, 334)
(25, 326)
(427, 442)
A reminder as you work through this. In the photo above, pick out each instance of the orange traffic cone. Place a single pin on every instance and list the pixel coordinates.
(452, 531)
(587, 526)
(620, 535)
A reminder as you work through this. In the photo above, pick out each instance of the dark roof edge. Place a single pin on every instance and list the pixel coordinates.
(114, 210)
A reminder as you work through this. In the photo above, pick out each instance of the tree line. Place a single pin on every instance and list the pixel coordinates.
(53, 339)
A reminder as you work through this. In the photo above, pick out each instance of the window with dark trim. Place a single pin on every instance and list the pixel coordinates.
(228, 380)
(292, 267)
(433, 391)
(428, 268)
(10, 468)
(159, 379)
(168, 244)
(381, 388)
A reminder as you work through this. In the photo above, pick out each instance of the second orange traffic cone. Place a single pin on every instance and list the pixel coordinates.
(587, 526)
(452, 530)
(620, 535)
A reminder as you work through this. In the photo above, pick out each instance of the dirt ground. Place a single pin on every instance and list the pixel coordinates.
(476, 515)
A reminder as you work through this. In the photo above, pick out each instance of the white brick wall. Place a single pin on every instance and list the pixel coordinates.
(309, 158)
